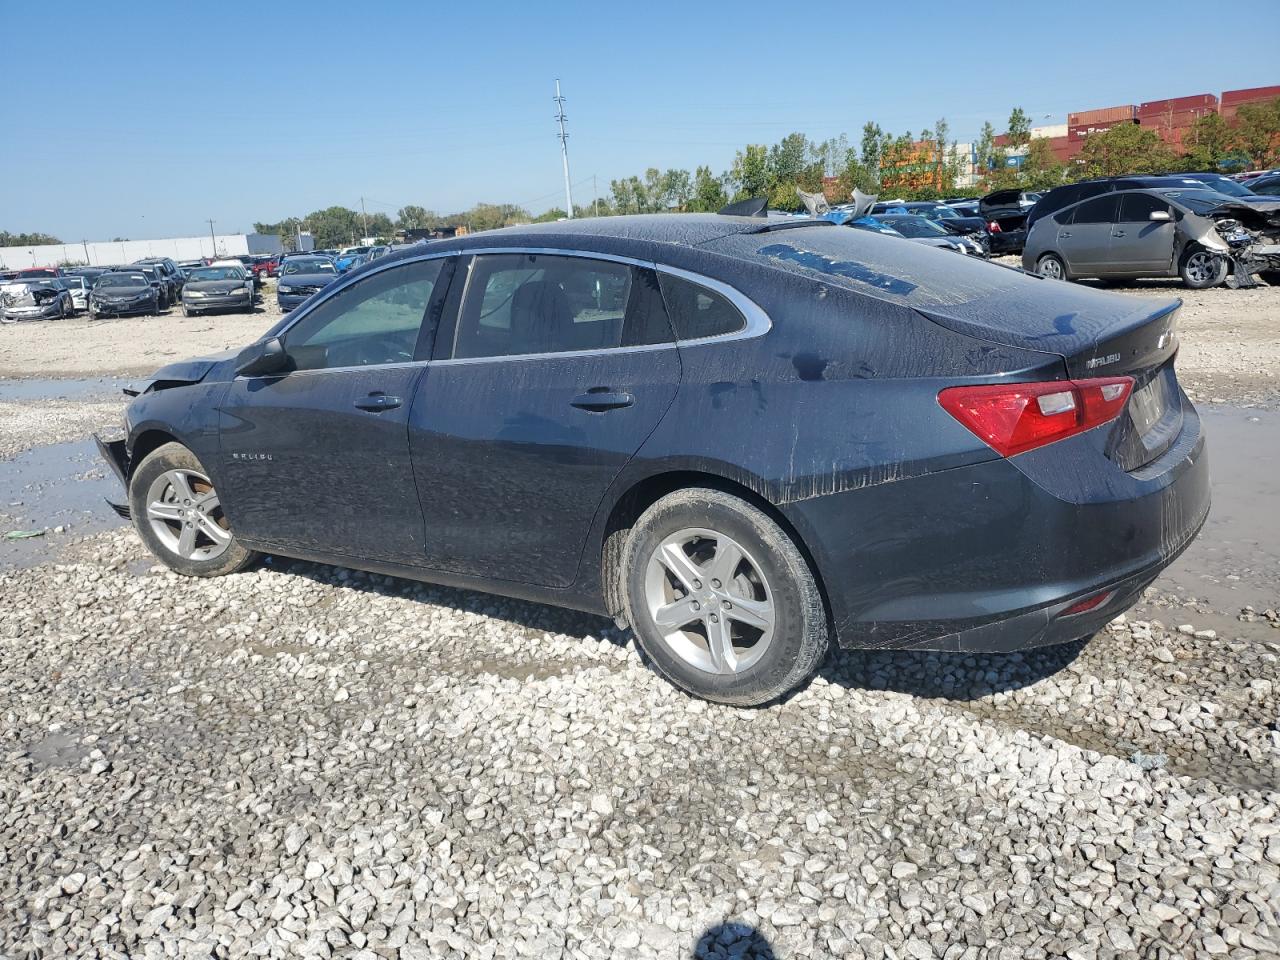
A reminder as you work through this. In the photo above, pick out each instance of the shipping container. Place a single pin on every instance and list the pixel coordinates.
(1078, 132)
(1064, 148)
(1172, 118)
(1049, 132)
(1107, 115)
(1251, 95)
(1202, 102)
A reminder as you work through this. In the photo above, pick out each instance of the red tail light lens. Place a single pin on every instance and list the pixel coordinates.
(1087, 604)
(1016, 417)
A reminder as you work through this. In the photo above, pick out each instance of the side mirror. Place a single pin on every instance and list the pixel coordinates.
(262, 358)
(1159, 215)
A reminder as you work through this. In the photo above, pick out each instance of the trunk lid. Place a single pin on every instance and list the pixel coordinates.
(1104, 336)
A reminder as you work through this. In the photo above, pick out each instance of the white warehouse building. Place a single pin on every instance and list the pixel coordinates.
(97, 253)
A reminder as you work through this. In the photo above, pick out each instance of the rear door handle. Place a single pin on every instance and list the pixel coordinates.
(598, 401)
(1117, 233)
(1063, 235)
(377, 402)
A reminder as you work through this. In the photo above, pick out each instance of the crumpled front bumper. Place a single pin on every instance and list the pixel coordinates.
(116, 455)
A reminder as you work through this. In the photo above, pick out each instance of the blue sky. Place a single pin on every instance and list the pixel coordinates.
(144, 120)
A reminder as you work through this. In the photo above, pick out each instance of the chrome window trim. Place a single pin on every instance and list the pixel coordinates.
(757, 322)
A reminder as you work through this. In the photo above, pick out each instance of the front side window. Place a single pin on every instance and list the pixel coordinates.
(374, 321)
(1138, 207)
(524, 303)
(1101, 209)
(697, 311)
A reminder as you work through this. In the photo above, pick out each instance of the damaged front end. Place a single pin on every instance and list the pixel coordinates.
(1252, 232)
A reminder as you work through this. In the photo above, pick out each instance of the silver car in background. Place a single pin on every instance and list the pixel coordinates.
(78, 287)
(35, 298)
(1137, 233)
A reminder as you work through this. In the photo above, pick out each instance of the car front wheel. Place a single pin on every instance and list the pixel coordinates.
(1201, 269)
(179, 515)
(722, 601)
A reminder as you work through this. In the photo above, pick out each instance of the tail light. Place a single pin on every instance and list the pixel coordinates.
(1087, 604)
(1013, 418)
(994, 227)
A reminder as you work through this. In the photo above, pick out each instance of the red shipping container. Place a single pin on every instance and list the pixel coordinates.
(1173, 118)
(1106, 115)
(1064, 148)
(1250, 95)
(1201, 102)
(1078, 132)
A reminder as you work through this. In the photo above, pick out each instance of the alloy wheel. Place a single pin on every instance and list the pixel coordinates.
(710, 601)
(1202, 267)
(1049, 267)
(186, 516)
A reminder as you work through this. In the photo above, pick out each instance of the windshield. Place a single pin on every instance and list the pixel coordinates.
(1226, 185)
(214, 273)
(121, 280)
(76, 282)
(1197, 201)
(937, 213)
(317, 265)
(20, 287)
(914, 227)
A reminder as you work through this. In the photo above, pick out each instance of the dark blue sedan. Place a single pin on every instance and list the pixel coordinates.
(301, 276)
(749, 438)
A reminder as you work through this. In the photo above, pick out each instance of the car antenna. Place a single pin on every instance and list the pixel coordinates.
(751, 207)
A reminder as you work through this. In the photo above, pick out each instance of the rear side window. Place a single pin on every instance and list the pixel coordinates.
(1138, 207)
(523, 303)
(697, 311)
(1098, 210)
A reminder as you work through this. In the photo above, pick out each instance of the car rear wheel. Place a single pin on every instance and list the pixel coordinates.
(722, 601)
(1201, 269)
(179, 515)
(1051, 267)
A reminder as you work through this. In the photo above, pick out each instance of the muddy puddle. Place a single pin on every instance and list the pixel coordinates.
(60, 485)
(104, 388)
(1235, 562)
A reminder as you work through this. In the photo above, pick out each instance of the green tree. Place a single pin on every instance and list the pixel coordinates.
(1125, 148)
(872, 141)
(1257, 133)
(1206, 144)
(985, 148)
(333, 226)
(677, 189)
(550, 216)
(750, 172)
(8, 239)
(708, 192)
(416, 218)
(1019, 128)
(1040, 169)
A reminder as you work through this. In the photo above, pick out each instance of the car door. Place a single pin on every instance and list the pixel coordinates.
(1138, 243)
(1086, 241)
(549, 373)
(316, 460)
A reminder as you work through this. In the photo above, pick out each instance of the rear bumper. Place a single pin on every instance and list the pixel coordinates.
(989, 557)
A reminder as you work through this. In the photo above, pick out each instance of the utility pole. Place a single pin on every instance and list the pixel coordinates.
(85, 243)
(364, 218)
(595, 198)
(213, 241)
(564, 151)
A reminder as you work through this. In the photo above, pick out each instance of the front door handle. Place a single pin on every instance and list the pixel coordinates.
(600, 400)
(377, 402)
(1117, 233)
(1063, 235)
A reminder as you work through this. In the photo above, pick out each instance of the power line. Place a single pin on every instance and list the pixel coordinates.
(564, 151)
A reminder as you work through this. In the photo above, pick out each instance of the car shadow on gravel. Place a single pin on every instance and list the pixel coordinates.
(949, 676)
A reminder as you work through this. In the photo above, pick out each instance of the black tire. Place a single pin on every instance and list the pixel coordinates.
(1050, 262)
(174, 456)
(800, 636)
(1193, 273)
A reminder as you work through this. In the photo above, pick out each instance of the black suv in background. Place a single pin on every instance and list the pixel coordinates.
(1065, 196)
(173, 277)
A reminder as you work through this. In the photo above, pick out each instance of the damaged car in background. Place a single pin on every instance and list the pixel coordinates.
(35, 298)
(1203, 237)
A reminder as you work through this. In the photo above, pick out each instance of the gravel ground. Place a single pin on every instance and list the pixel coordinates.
(304, 761)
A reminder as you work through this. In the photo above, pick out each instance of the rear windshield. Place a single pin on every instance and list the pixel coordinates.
(911, 274)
